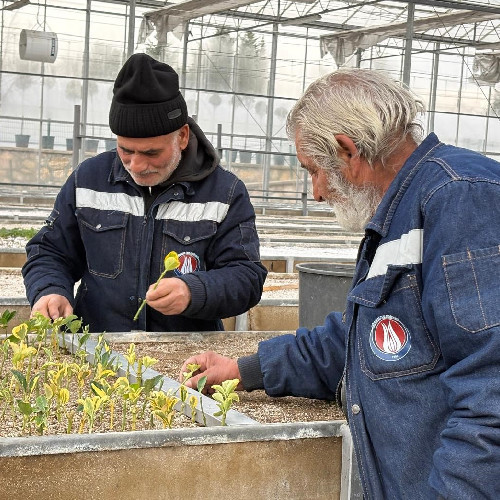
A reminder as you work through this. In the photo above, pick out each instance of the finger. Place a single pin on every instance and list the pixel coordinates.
(42, 310)
(192, 383)
(54, 311)
(68, 310)
(192, 360)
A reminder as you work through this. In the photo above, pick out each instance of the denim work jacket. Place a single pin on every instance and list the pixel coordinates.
(99, 232)
(420, 337)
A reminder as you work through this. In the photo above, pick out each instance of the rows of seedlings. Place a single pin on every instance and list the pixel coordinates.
(50, 384)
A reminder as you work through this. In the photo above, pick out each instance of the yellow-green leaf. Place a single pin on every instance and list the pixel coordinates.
(171, 261)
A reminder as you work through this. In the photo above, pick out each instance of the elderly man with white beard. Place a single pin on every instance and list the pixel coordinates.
(414, 357)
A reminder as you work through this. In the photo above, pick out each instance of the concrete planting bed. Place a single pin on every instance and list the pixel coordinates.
(243, 460)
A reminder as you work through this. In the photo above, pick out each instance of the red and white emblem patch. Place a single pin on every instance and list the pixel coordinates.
(189, 263)
(389, 338)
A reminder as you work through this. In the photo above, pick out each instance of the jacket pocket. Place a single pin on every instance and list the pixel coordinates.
(103, 235)
(472, 279)
(391, 335)
(190, 240)
(250, 241)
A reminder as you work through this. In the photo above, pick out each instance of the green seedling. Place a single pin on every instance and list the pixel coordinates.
(37, 413)
(193, 401)
(192, 368)
(143, 364)
(5, 318)
(162, 407)
(130, 357)
(148, 386)
(225, 396)
(103, 355)
(170, 262)
(91, 406)
(60, 390)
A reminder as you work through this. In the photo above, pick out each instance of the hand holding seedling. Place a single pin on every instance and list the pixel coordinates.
(170, 263)
(52, 306)
(214, 367)
(171, 296)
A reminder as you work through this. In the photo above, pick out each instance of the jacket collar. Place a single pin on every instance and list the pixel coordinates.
(381, 221)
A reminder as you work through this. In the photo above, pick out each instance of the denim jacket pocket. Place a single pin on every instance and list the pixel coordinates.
(103, 235)
(188, 238)
(391, 335)
(472, 279)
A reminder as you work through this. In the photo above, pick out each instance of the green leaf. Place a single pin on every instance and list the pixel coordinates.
(21, 379)
(6, 317)
(26, 408)
(95, 386)
(201, 383)
(150, 383)
(218, 397)
(83, 338)
(41, 404)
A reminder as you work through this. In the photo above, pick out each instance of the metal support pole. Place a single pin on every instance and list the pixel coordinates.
(270, 111)
(131, 29)
(408, 43)
(304, 194)
(77, 138)
(241, 322)
(184, 58)
(219, 140)
(85, 86)
(432, 97)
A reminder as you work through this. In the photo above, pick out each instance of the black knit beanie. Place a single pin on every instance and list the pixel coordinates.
(146, 99)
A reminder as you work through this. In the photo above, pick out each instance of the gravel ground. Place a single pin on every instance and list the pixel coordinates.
(11, 283)
(257, 404)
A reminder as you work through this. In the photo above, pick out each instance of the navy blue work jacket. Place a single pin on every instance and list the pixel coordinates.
(99, 234)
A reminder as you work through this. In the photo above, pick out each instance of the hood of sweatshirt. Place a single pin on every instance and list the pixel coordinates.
(198, 160)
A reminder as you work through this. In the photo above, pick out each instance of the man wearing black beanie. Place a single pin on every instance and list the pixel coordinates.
(120, 213)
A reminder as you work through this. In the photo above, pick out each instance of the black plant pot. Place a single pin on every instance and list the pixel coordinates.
(110, 144)
(47, 142)
(22, 140)
(91, 145)
(245, 157)
(279, 160)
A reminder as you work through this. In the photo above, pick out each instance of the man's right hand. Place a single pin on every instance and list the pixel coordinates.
(215, 367)
(52, 306)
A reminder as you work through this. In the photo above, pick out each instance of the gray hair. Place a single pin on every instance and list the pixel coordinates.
(376, 112)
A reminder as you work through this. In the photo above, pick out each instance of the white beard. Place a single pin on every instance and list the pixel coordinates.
(356, 205)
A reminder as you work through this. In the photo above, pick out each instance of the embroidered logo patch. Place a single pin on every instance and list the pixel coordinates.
(189, 262)
(389, 338)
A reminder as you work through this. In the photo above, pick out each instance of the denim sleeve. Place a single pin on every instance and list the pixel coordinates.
(461, 289)
(308, 364)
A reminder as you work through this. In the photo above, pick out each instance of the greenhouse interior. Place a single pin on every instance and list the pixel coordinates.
(242, 65)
